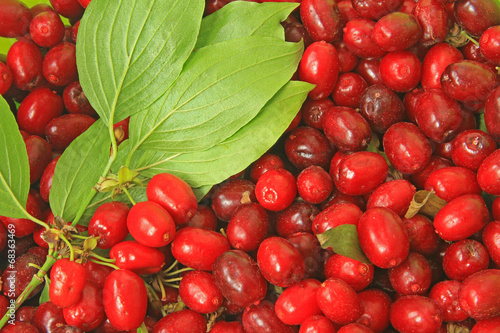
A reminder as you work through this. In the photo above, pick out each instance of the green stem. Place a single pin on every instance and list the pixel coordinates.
(71, 251)
(128, 195)
(170, 267)
(105, 264)
(35, 282)
(108, 260)
(179, 271)
(470, 37)
(172, 279)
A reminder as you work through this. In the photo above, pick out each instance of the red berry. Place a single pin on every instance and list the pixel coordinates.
(88, 312)
(186, 321)
(15, 19)
(464, 258)
(138, 258)
(67, 282)
(314, 184)
(198, 291)
(415, 313)
(338, 301)
(400, 70)
(355, 273)
(276, 189)
(298, 302)
(346, 129)
(109, 223)
(479, 295)
(397, 31)
(491, 240)
(247, 227)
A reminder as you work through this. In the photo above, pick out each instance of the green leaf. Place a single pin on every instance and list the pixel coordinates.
(481, 123)
(344, 241)
(242, 19)
(221, 88)
(78, 170)
(200, 192)
(14, 166)
(130, 52)
(225, 159)
(44, 296)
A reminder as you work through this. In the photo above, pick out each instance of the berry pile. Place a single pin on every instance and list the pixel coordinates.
(378, 210)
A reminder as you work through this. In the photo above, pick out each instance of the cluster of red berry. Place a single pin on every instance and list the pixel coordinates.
(405, 99)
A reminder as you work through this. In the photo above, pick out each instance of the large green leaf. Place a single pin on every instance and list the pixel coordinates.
(14, 166)
(221, 88)
(242, 19)
(216, 164)
(78, 170)
(130, 52)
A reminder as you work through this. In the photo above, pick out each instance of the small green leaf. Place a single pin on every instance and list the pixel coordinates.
(130, 52)
(44, 296)
(216, 164)
(242, 19)
(482, 123)
(221, 88)
(344, 241)
(14, 166)
(78, 170)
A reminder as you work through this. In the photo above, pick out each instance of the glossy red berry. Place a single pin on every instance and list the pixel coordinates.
(358, 37)
(67, 282)
(346, 129)
(174, 195)
(335, 215)
(46, 179)
(383, 237)
(314, 184)
(276, 189)
(479, 295)
(464, 258)
(298, 302)
(355, 273)
(489, 44)
(88, 312)
(421, 233)
(397, 31)
(231, 194)
(109, 223)
(338, 301)
(261, 317)
(198, 248)
(182, 321)
(415, 313)
(317, 323)
(296, 218)
(375, 305)
(247, 227)
(306, 146)
(59, 64)
(265, 163)
(322, 19)
(199, 292)
(489, 172)
(433, 19)
(68, 8)
(47, 29)
(125, 300)
(381, 107)
(445, 293)
(476, 16)
(62, 130)
(435, 61)
(491, 240)
(15, 19)
(451, 182)
(138, 258)
(25, 60)
(400, 70)
(412, 276)
(150, 224)
(5, 78)
(22, 227)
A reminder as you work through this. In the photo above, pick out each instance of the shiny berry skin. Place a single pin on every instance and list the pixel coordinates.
(125, 299)
(310, 249)
(322, 19)
(280, 262)
(414, 313)
(423, 238)
(412, 276)
(174, 195)
(20, 327)
(491, 240)
(75, 100)
(347, 59)
(47, 29)
(67, 282)
(187, 321)
(488, 174)
(348, 90)
(461, 218)
(397, 31)
(46, 179)
(276, 189)
(381, 107)
(314, 184)
(475, 16)
(492, 113)
(314, 110)
(489, 44)
(298, 302)
(229, 195)
(451, 182)
(306, 146)
(491, 325)
(238, 278)
(406, 147)
(198, 248)
(383, 237)
(369, 69)
(320, 66)
(360, 173)
(47, 317)
(262, 318)
(445, 293)
(358, 37)
(39, 156)
(346, 129)
(247, 227)
(23, 270)
(464, 258)
(138, 258)
(468, 81)
(317, 324)
(68, 8)
(395, 194)
(265, 163)
(222, 326)
(338, 301)
(296, 218)
(198, 291)
(471, 147)
(400, 70)
(479, 295)
(438, 116)
(355, 273)
(375, 10)
(335, 215)
(38, 109)
(375, 305)
(109, 223)
(5, 78)
(25, 60)
(59, 64)
(15, 19)
(354, 328)
(204, 218)
(62, 130)
(435, 61)
(88, 312)
(150, 224)
(433, 19)
(97, 273)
